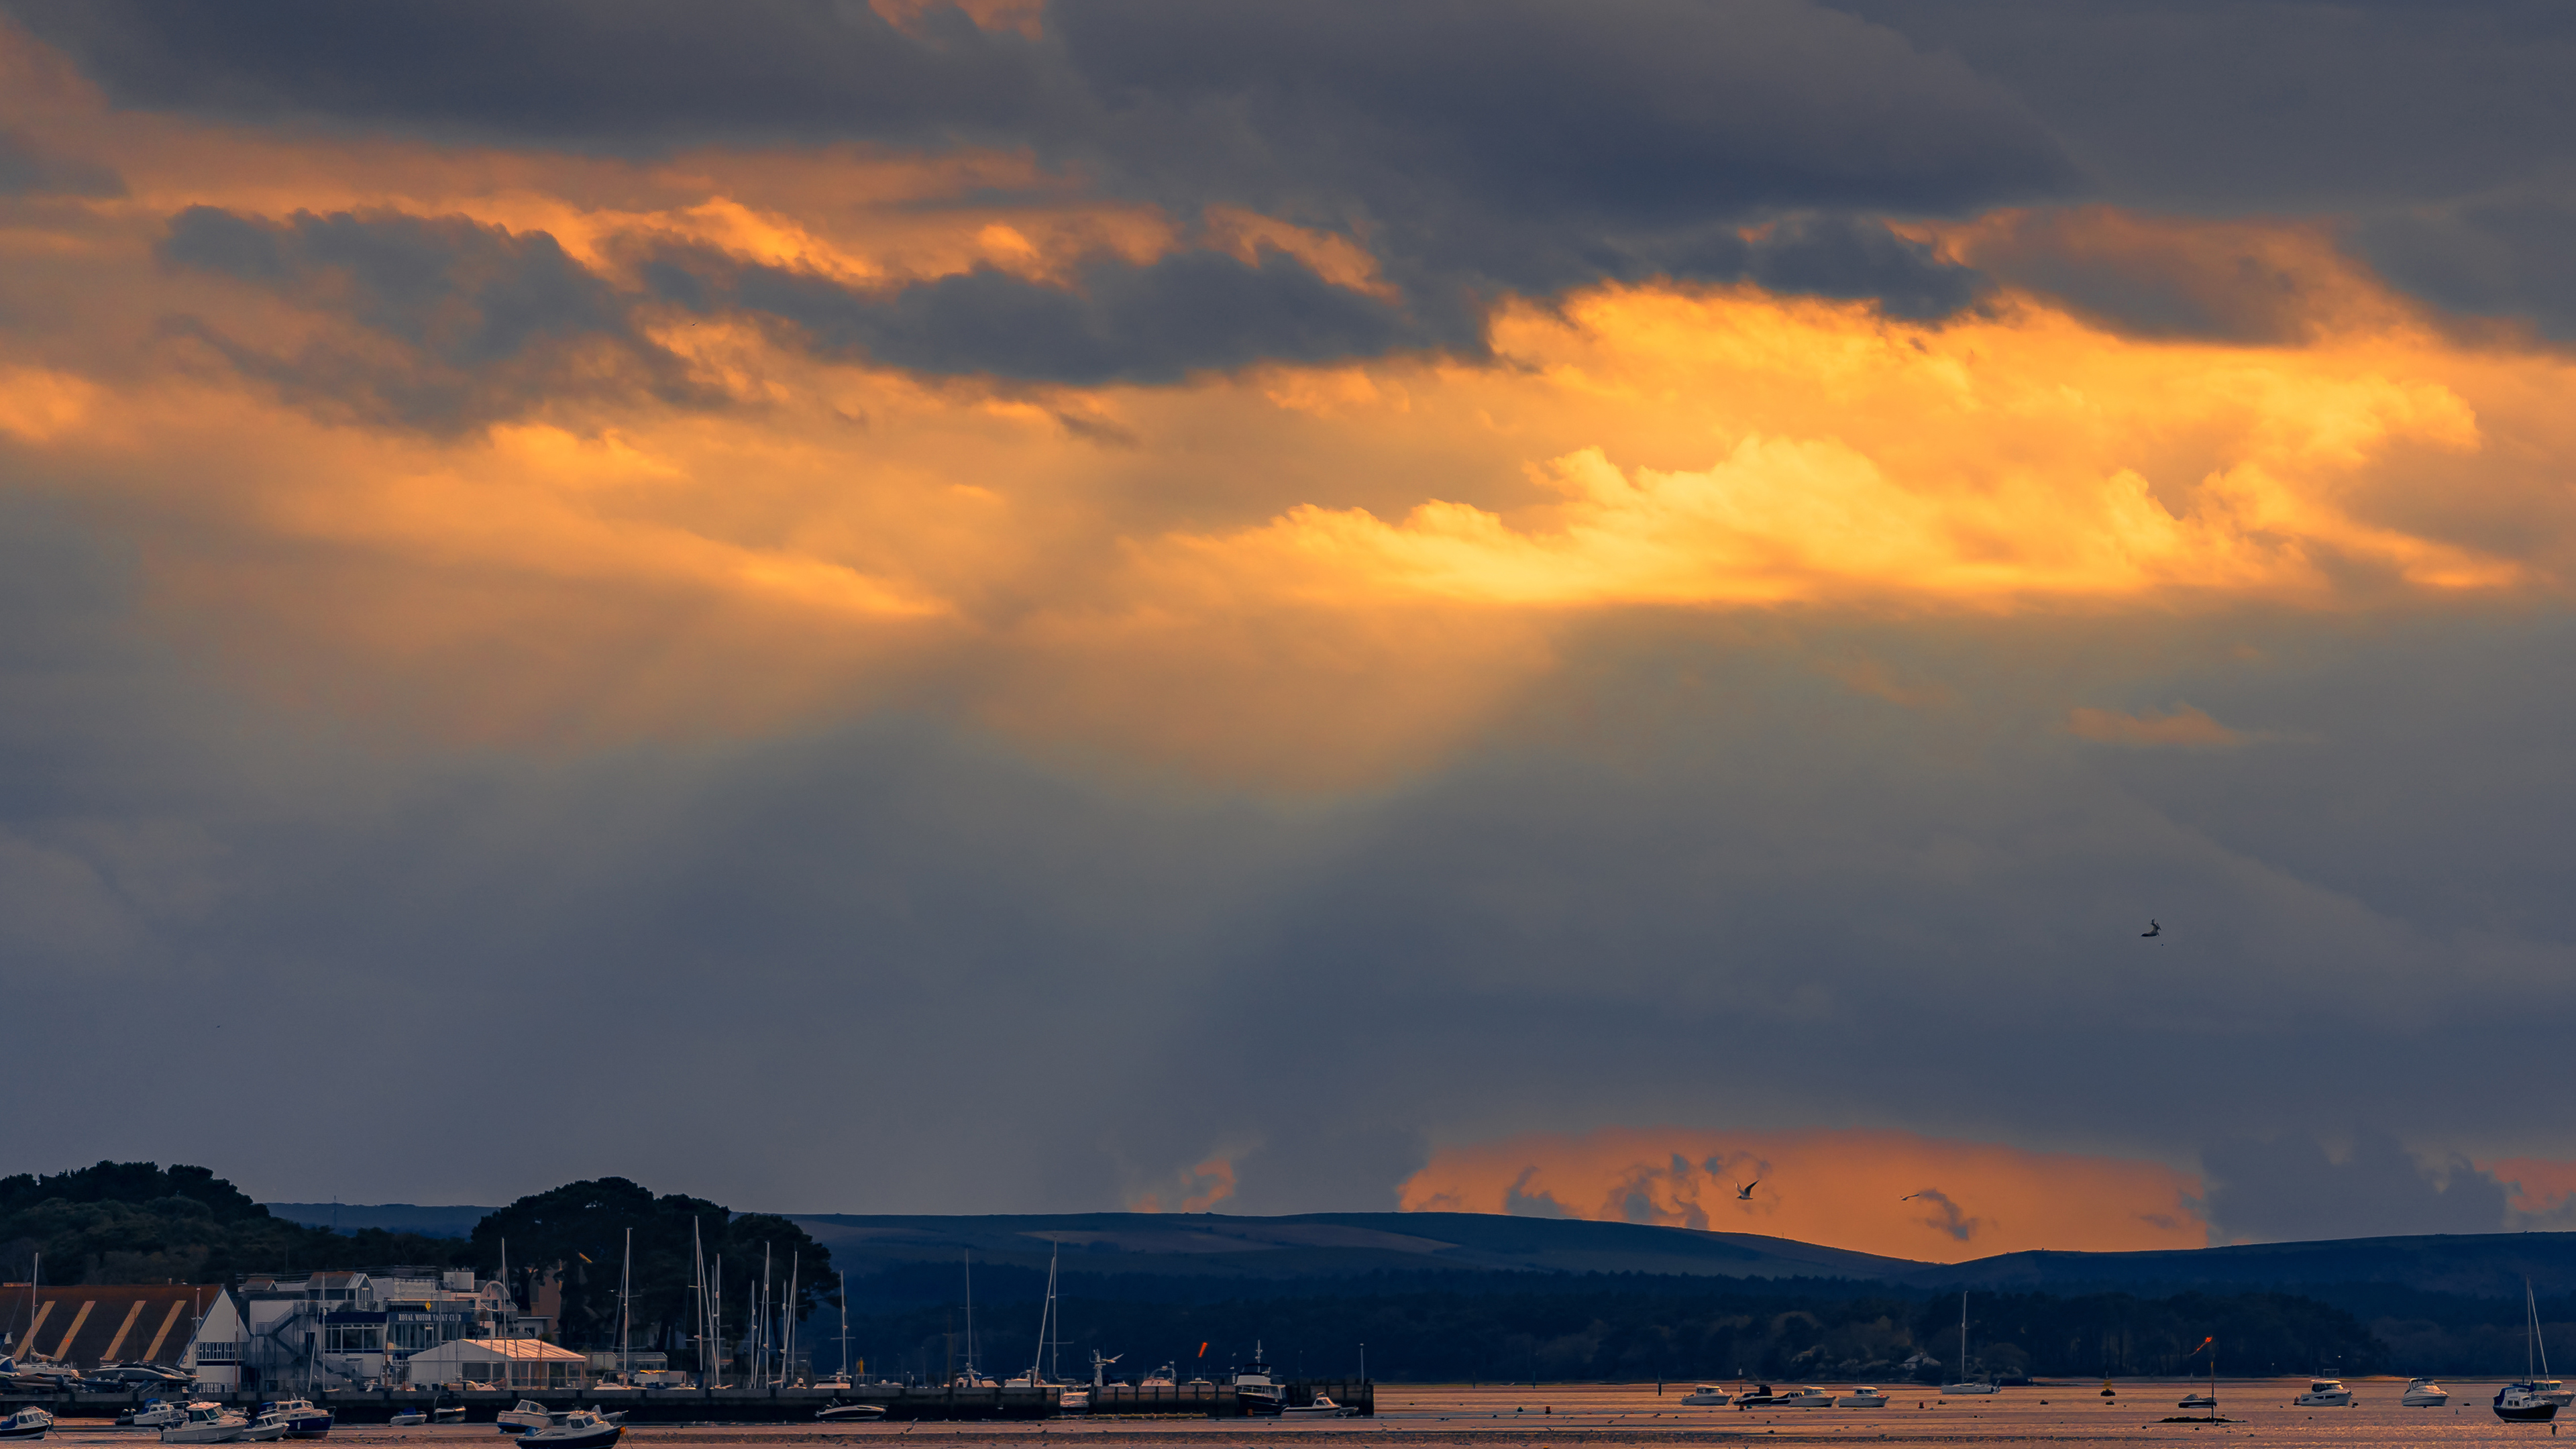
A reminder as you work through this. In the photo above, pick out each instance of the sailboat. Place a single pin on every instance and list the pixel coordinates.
(1036, 1378)
(2526, 1400)
(1966, 1385)
(2549, 1388)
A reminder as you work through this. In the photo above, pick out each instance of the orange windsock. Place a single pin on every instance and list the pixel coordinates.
(1203, 1350)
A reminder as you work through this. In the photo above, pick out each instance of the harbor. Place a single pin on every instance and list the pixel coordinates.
(782, 1404)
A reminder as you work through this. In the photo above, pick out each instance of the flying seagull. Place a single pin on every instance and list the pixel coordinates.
(1911, 1196)
(1744, 1190)
(2152, 929)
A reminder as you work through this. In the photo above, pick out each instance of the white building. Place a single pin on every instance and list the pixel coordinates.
(514, 1363)
(214, 1355)
(337, 1330)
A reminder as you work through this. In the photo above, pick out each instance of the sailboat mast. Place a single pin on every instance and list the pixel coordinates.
(1963, 1335)
(625, 1304)
(970, 1312)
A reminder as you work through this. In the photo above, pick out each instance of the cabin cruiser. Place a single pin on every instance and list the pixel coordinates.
(1971, 1386)
(527, 1418)
(450, 1414)
(2196, 1399)
(849, 1413)
(1803, 1397)
(2552, 1390)
(264, 1427)
(40, 1373)
(580, 1429)
(2523, 1402)
(155, 1414)
(206, 1423)
(1166, 1377)
(1322, 1408)
(2325, 1394)
(1255, 1390)
(1708, 1394)
(1763, 1397)
(28, 1423)
(2424, 1394)
(1862, 1397)
(303, 1421)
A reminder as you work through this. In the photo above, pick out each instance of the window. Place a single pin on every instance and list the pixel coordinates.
(219, 1351)
(354, 1338)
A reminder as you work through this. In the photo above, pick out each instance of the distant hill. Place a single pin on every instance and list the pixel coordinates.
(2473, 1265)
(393, 1217)
(1328, 1245)
(1319, 1248)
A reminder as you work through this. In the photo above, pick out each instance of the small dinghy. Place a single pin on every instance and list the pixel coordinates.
(849, 1413)
(580, 1429)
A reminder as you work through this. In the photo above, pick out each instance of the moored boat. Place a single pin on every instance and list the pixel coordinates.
(1862, 1397)
(527, 1417)
(849, 1413)
(1322, 1408)
(1708, 1394)
(206, 1423)
(1255, 1390)
(303, 1420)
(155, 1414)
(580, 1429)
(2522, 1402)
(264, 1427)
(2325, 1394)
(2424, 1394)
(409, 1419)
(1805, 1396)
(28, 1423)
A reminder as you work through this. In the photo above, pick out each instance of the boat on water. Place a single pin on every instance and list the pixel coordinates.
(2325, 1394)
(2526, 1401)
(1166, 1377)
(1708, 1394)
(1760, 1396)
(1965, 1385)
(1322, 1408)
(409, 1419)
(580, 1429)
(1256, 1391)
(154, 1414)
(450, 1414)
(2424, 1394)
(303, 1420)
(526, 1418)
(264, 1427)
(2197, 1399)
(206, 1423)
(1862, 1397)
(1805, 1396)
(28, 1423)
(849, 1413)
(1075, 1400)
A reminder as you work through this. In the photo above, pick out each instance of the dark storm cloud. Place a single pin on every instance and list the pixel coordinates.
(27, 169)
(469, 322)
(1472, 147)
(1116, 320)
(2262, 1191)
(2512, 257)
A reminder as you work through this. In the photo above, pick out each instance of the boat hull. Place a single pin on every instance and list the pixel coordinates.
(598, 1438)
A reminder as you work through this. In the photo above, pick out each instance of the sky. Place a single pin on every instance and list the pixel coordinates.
(1619, 610)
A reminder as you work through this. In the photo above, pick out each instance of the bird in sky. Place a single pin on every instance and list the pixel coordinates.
(1911, 1196)
(2152, 929)
(1744, 1190)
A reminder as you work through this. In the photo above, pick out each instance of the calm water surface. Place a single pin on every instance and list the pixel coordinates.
(1614, 1414)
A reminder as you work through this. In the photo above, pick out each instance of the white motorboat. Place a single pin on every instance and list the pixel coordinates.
(409, 1419)
(580, 1429)
(1965, 1385)
(1322, 1408)
(2424, 1394)
(303, 1420)
(1805, 1396)
(2325, 1394)
(2196, 1400)
(1862, 1397)
(526, 1418)
(155, 1414)
(1255, 1390)
(206, 1423)
(271, 1425)
(450, 1414)
(1708, 1394)
(1166, 1377)
(849, 1413)
(28, 1423)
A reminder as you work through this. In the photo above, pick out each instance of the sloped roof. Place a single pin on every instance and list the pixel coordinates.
(512, 1348)
(91, 1323)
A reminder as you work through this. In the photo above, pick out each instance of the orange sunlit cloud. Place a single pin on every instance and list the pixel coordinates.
(1892, 1193)
(1287, 573)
